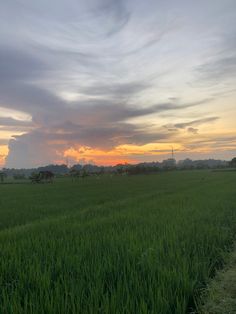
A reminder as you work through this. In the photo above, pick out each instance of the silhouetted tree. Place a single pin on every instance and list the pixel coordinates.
(34, 177)
(84, 174)
(46, 176)
(19, 176)
(74, 173)
(233, 162)
(42, 176)
(3, 175)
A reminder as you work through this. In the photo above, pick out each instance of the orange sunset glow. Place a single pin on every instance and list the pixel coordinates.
(119, 155)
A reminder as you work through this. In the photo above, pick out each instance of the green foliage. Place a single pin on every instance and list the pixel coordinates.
(220, 294)
(19, 176)
(233, 162)
(35, 177)
(2, 176)
(41, 176)
(126, 244)
(84, 174)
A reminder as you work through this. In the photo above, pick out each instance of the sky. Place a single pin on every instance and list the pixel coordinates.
(113, 81)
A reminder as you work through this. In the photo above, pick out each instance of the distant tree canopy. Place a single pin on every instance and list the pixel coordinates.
(233, 162)
(56, 169)
(19, 176)
(75, 173)
(82, 171)
(3, 175)
(42, 176)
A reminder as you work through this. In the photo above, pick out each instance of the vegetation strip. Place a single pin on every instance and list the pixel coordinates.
(220, 296)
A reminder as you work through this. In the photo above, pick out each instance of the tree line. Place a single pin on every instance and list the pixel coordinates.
(47, 173)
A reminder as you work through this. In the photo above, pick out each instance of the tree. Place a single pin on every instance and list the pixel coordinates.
(233, 162)
(42, 176)
(35, 177)
(19, 176)
(74, 173)
(3, 175)
(84, 174)
(46, 176)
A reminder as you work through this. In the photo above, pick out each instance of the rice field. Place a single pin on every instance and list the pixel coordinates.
(123, 244)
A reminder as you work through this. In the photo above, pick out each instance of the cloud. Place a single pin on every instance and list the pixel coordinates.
(31, 150)
(57, 125)
(18, 88)
(119, 61)
(223, 142)
(192, 130)
(189, 126)
(220, 66)
(16, 65)
(99, 122)
(218, 70)
(4, 121)
(105, 111)
(44, 145)
(195, 122)
(3, 141)
(116, 14)
(119, 90)
(22, 91)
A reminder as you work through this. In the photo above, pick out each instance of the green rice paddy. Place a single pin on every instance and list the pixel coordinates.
(121, 244)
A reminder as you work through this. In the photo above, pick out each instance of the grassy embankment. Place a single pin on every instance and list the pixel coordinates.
(220, 295)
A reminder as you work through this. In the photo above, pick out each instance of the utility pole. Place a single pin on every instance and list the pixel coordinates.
(172, 152)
